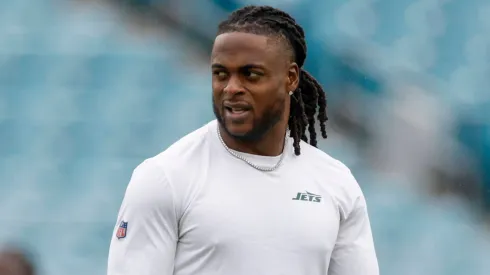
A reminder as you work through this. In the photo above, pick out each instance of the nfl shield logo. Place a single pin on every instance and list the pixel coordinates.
(121, 231)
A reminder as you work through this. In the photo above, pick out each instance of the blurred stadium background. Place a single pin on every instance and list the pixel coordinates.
(88, 89)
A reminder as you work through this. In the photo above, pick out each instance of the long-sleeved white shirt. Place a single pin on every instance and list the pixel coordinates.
(197, 210)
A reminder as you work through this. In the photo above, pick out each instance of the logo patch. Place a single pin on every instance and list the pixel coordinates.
(307, 196)
(122, 230)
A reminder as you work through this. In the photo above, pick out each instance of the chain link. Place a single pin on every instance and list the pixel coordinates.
(260, 168)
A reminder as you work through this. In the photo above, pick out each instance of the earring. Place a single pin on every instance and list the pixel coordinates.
(290, 92)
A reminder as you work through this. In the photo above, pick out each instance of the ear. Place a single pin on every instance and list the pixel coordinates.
(293, 77)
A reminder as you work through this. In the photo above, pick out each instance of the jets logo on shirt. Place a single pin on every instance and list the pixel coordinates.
(307, 196)
(122, 230)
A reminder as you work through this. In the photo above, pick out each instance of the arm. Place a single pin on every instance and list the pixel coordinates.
(149, 243)
(354, 251)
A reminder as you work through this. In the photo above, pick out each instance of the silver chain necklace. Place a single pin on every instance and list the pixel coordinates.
(260, 168)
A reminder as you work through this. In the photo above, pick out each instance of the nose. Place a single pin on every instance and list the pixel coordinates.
(233, 86)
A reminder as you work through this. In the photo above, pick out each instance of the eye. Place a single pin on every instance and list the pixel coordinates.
(220, 74)
(252, 75)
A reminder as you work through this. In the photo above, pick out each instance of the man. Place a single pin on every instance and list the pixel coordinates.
(244, 195)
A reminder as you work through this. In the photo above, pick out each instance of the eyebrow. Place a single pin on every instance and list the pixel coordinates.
(246, 67)
(217, 66)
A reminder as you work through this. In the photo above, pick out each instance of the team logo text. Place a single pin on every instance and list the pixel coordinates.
(307, 196)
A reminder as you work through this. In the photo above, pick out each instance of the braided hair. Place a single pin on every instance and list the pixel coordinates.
(265, 20)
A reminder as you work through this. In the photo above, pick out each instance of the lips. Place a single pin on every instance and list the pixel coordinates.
(237, 107)
(237, 111)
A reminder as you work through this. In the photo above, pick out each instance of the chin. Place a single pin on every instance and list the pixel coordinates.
(238, 130)
(244, 132)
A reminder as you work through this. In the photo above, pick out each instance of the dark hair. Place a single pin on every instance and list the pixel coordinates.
(309, 95)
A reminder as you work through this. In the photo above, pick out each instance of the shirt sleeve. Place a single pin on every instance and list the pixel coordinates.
(145, 236)
(354, 251)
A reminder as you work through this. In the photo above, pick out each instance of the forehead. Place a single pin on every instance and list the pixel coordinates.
(237, 48)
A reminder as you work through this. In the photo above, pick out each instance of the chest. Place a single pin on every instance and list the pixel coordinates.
(253, 211)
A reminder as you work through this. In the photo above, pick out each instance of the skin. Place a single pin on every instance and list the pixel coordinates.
(256, 71)
(11, 264)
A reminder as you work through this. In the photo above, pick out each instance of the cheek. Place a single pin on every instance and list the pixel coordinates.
(266, 101)
(275, 92)
(215, 85)
(217, 91)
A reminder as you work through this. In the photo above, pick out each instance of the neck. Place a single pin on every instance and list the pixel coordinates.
(272, 144)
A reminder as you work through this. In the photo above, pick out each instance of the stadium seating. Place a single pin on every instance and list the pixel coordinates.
(83, 101)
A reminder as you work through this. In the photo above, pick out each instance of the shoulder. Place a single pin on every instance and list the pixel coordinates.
(147, 193)
(188, 146)
(334, 174)
(183, 154)
(324, 164)
(176, 168)
(322, 159)
(178, 153)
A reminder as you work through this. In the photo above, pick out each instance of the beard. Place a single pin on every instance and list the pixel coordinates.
(260, 126)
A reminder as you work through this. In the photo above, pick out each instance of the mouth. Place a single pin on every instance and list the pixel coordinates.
(237, 111)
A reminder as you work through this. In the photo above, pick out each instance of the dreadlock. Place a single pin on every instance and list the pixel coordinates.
(265, 20)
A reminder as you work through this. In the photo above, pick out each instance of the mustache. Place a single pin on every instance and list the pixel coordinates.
(232, 101)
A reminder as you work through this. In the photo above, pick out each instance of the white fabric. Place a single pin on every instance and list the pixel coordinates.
(197, 210)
